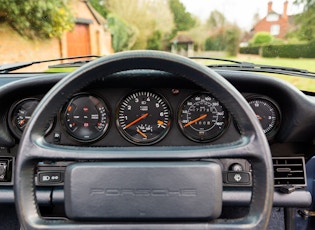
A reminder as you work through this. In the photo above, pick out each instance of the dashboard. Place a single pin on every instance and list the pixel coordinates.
(128, 110)
(157, 112)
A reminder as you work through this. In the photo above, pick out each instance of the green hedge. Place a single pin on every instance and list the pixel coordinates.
(250, 50)
(290, 51)
(284, 51)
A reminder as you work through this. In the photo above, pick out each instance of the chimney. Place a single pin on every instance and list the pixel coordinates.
(285, 8)
(269, 6)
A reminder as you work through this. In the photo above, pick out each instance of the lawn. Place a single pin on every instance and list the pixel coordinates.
(306, 84)
(301, 63)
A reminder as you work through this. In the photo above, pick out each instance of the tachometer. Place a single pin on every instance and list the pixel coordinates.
(202, 118)
(143, 117)
(86, 117)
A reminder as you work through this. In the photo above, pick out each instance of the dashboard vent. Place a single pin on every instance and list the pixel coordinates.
(289, 171)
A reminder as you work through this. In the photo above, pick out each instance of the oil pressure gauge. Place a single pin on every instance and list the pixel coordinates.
(202, 118)
(86, 118)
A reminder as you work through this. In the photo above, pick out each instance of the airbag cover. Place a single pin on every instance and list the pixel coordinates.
(143, 190)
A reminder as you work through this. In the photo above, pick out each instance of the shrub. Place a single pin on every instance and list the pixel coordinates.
(261, 38)
(290, 50)
(250, 50)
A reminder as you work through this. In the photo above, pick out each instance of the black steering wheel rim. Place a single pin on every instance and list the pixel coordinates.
(253, 145)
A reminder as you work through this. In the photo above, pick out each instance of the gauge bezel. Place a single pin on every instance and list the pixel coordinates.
(127, 137)
(180, 125)
(17, 132)
(274, 130)
(62, 118)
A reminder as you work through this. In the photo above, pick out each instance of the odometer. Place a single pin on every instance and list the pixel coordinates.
(143, 117)
(202, 118)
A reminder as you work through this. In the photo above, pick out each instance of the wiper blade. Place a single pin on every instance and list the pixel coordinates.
(239, 64)
(253, 66)
(262, 67)
(215, 59)
(291, 69)
(69, 64)
(5, 68)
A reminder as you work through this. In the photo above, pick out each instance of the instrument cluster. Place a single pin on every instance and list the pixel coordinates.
(145, 117)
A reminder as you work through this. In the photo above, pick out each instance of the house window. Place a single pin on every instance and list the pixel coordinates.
(275, 29)
(272, 17)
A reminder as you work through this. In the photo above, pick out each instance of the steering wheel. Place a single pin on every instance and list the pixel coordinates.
(252, 146)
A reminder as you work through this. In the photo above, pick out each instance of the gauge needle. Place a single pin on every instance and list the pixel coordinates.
(197, 119)
(259, 117)
(160, 122)
(141, 133)
(135, 121)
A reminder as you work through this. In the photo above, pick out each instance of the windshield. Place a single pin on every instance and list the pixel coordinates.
(265, 32)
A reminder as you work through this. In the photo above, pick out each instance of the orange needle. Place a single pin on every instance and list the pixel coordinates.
(135, 121)
(141, 133)
(197, 119)
(160, 122)
(259, 117)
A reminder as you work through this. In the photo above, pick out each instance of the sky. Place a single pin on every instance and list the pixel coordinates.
(240, 12)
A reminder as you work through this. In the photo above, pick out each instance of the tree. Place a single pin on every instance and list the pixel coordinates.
(232, 40)
(199, 34)
(223, 36)
(162, 16)
(216, 20)
(163, 25)
(215, 43)
(144, 17)
(38, 19)
(154, 42)
(305, 21)
(215, 27)
(99, 6)
(123, 34)
(183, 19)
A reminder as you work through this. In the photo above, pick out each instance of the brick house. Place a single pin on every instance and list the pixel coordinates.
(89, 36)
(274, 23)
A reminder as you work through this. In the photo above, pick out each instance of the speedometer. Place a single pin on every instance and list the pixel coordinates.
(202, 118)
(143, 117)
